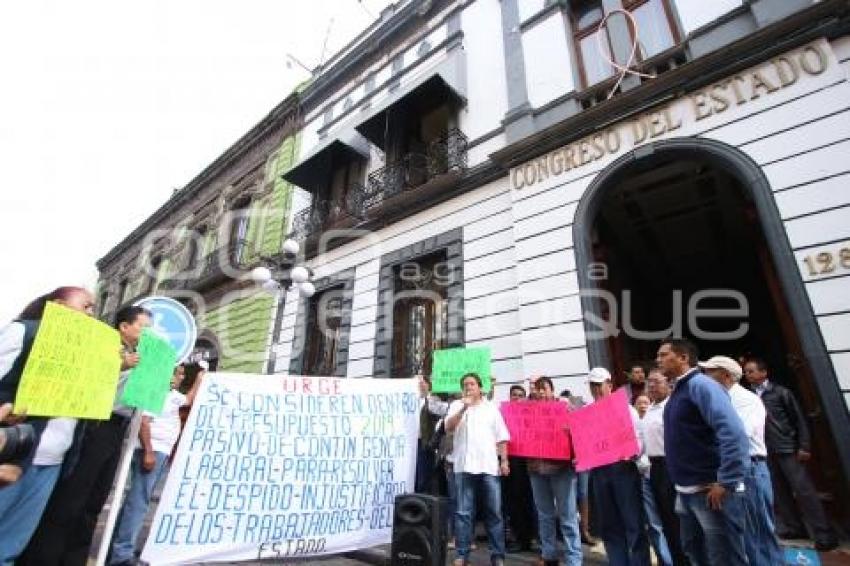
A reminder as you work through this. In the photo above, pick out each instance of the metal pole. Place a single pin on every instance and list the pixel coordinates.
(120, 484)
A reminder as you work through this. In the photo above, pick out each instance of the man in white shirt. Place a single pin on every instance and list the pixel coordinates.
(762, 545)
(157, 436)
(480, 457)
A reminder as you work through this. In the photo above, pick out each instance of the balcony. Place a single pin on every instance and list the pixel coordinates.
(388, 191)
(222, 265)
(326, 215)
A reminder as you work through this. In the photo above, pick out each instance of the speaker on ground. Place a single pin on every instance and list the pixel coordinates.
(419, 530)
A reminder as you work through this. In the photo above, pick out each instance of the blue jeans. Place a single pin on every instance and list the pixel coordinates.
(618, 502)
(762, 546)
(21, 506)
(582, 485)
(653, 521)
(465, 515)
(135, 506)
(554, 497)
(712, 538)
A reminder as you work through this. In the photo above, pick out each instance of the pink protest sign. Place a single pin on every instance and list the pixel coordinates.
(603, 432)
(537, 429)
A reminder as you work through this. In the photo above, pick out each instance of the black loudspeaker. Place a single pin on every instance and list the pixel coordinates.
(419, 530)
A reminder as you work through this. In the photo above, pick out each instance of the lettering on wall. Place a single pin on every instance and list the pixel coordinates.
(829, 261)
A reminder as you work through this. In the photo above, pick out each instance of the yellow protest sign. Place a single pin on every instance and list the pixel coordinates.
(72, 369)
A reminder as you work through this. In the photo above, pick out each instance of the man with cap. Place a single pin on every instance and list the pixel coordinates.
(617, 493)
(707, 455)
(762, 546)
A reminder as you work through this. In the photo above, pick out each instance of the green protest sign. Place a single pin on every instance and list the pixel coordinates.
(150, 381)
(450, 365)
(72, 369)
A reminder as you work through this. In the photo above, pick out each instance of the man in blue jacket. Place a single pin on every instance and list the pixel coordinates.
(707, 456)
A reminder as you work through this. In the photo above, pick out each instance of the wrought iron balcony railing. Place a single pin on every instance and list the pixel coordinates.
(310, 220)
(442, 156)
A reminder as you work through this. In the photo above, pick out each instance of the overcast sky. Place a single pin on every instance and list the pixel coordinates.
(106, 107)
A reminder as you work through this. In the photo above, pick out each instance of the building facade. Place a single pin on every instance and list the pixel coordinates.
(485, 173)
(200, 246)
(563, 181)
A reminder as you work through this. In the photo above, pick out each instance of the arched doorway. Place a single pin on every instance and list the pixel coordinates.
(668, 222)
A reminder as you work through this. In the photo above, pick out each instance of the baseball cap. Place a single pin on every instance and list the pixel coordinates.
(723, 362)
(598, 375)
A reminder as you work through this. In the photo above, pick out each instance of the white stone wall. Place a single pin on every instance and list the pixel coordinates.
(693, 14)
(547, 52)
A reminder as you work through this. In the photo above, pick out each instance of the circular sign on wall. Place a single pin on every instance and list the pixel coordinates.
(173, 322)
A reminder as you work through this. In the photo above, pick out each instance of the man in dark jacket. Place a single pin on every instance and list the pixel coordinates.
(788, 447)
(707, 456)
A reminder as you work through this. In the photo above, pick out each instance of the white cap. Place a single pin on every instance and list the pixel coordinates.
(598, 375)
(204, 365)
(725, 363)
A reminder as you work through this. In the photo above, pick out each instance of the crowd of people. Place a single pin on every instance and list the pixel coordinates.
(713, 437)
(50, 500)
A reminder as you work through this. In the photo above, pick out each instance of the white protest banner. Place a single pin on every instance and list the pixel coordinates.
(277, 467)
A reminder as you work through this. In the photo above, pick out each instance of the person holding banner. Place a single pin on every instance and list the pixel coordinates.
(553, 483)
(67, 527)
(480, 457)
(516, 493)
(431, 409)
(158, 436)
(707, 454)
(617, 494)
(22, 504)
